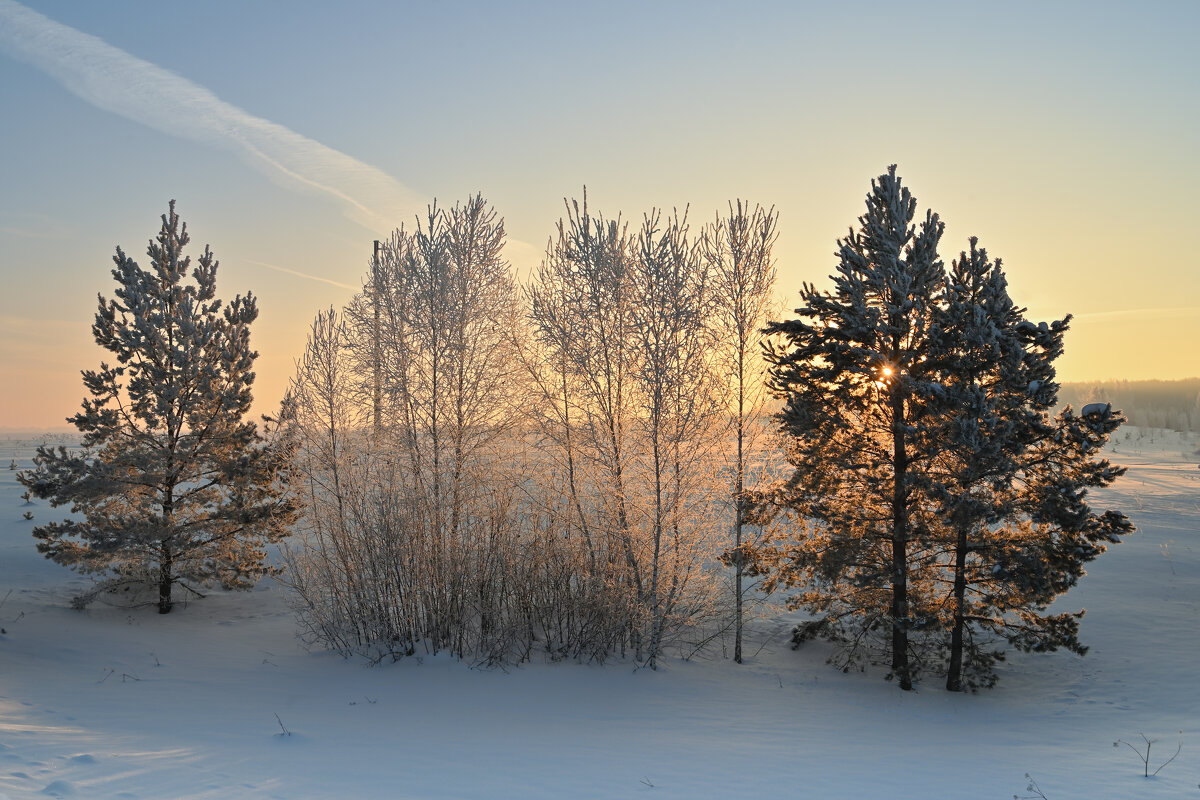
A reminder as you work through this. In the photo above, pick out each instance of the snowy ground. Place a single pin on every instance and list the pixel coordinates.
(123, 703)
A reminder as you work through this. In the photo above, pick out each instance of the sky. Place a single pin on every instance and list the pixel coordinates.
(292, 134)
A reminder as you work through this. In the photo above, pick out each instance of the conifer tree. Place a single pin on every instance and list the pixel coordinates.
(173, 485)
(1067, 533)
(853, 371)
(1010, 481)
(928, 467)
(995, 389)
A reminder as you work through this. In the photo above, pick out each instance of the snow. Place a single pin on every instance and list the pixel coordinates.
(124, 703)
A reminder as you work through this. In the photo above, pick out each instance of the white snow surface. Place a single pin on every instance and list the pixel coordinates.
(116, 702)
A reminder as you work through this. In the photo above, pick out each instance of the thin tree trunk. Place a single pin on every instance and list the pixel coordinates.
(165, 580)
(900, 665)
(376, 349)
(655, 619)
(738, 510)
(954, 672)
(583, 526)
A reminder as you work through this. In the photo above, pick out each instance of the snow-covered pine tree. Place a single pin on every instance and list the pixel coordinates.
(173, 484)
(995, 386)
(852, 368)
(1009, 480)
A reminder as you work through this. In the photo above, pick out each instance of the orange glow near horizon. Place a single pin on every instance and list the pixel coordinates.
(290, 178)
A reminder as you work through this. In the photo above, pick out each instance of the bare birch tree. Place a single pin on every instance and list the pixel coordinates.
(627, 379)
(737, 249)
(567, 505)
(434, 503)
(580, 312)
(680, 416)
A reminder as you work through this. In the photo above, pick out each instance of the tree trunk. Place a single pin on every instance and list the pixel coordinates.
(165, 580)
(899, 537)
(738, 513)
(166, 566)
(954, 672)
(655, 608)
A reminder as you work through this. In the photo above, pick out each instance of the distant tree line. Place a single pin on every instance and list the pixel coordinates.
(1173, 405)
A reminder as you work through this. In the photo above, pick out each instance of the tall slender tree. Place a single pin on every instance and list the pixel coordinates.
(852, 369)
(996, 386)
(174, 486)
(737, 248)
(580, 310)
(1010, 481)
(674, 381)
(629, 409)
(416, 552)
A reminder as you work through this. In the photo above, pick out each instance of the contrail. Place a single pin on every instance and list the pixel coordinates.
(123, 84)
(288, 271)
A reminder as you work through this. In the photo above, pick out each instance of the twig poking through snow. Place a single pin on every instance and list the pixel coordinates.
(1032, 787)
(1145, 757)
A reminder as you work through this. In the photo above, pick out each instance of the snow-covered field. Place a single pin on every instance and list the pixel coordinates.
(118, 702)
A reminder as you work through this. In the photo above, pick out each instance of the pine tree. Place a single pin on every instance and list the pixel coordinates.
(996, 385)
(173, 484)
(853, 370)
(1010, 480)
(928, 468)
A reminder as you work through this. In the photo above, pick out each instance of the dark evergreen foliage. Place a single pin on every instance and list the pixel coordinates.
(938, 506)
(853, 372)
(173, 485)
(1006, 470)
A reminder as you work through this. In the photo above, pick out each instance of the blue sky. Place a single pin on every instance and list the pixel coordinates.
(1062, 134)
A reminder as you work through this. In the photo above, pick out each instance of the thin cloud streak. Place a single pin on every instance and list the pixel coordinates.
(26, 234)
(287, 271)
(116, 81)
(1137, 313)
